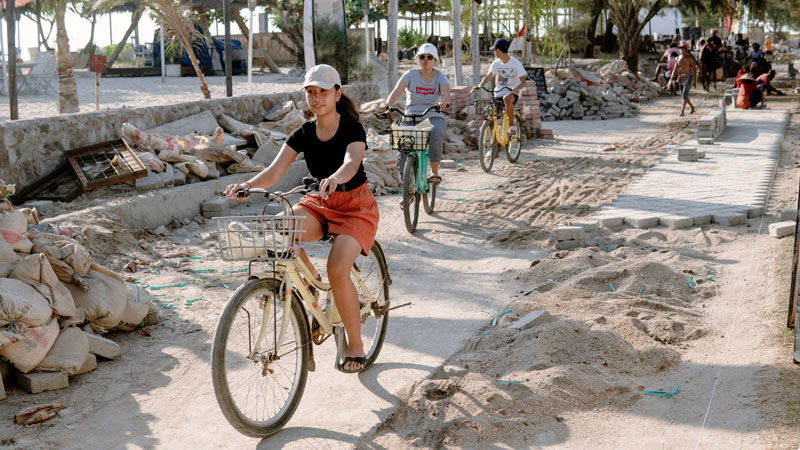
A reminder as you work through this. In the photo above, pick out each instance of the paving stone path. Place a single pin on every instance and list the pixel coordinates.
(728, 186)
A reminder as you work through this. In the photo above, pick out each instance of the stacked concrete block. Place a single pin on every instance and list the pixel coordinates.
(569, 237)
(687, 153)
(587, 225)
(781, 229)
(711, 126)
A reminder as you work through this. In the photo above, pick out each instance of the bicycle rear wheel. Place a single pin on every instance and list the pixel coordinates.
(410, 194)
(375, 278)
(429, 197)
(258, 390)
(486, 146)
(514, 147)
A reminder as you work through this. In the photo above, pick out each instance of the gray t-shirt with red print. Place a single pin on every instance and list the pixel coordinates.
(421, 95)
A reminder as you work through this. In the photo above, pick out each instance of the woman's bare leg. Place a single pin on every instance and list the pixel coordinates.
(343, 255)
(313, 232)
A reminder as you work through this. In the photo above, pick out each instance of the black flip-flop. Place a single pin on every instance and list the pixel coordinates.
(355, 359)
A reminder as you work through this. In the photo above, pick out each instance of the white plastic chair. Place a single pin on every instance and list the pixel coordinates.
(43, 73)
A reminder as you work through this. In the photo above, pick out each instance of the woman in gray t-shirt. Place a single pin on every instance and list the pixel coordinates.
(425, 87)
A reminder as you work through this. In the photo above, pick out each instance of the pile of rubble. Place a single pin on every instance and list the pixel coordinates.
(203, 147)
(55, 302)
(618, 96)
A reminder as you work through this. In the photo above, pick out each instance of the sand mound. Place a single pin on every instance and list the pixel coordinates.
(518, 383)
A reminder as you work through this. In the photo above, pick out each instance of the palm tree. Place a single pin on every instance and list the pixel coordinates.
(625, 15)
(391, 45)
(67, 88)
(175, 17)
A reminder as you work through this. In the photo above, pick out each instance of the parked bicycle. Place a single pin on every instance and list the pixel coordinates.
(416, 177)
(262, 350)
(493, 134)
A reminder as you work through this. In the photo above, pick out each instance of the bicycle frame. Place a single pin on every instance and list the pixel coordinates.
(290, 272)
(422, 169)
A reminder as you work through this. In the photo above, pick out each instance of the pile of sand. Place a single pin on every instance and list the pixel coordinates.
(518, 383)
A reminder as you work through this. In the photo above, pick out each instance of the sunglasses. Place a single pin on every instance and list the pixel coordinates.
(426, 56)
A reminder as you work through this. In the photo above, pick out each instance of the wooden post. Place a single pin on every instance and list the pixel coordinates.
(391, 45)
(12, 59)
(226, 7)
(457, 41)
(97, 91)
(795, 281)
(475, 43)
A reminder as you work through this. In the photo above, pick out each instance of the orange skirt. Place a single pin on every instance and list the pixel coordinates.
(354, 213)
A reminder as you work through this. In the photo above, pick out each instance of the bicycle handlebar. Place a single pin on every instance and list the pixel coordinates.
(304, 189)
(411, 116)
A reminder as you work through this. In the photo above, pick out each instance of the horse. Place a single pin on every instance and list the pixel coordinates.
(708, 64)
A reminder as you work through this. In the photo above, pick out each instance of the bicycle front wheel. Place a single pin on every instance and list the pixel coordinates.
(514, 147)
(374, 283)
(258, 389)
(429, 198)
(486, 146)
(410, 194)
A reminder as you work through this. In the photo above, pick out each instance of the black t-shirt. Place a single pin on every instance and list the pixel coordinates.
(325, 158)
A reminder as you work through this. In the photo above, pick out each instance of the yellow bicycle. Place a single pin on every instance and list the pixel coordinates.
(493, 133)
(262, 350)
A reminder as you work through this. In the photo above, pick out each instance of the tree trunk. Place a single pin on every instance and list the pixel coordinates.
(91, 32)
(475, 42)
(608, 38)
(365, 12)
(591, 30)
(457, 41)
(67, 88)
(237, 17)
(526, 20)
(391, 46)
(625, 15)
(134, 21)
(41, 32)
(308, 35)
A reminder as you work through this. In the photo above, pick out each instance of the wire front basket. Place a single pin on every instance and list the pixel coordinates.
(262, 238)
(409, 139)
(482, 107)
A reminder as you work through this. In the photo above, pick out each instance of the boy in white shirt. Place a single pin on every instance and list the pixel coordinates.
(510, 79)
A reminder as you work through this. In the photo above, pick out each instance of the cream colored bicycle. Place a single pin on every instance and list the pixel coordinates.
(262, 350)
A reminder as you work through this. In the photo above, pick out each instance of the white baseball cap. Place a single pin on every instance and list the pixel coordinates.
(429, 49)
(322, 75)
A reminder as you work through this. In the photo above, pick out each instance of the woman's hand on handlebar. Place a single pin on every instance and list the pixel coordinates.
(328, 186)
(234, 190)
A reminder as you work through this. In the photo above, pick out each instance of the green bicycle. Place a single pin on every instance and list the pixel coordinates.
(416, 185)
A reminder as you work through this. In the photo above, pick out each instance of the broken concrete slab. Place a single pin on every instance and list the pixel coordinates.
(532, 319)
(201, 123)
(448, 164)
(150, 182)
(101, 346)
(36, 382)
(89, 365)
(781, 229)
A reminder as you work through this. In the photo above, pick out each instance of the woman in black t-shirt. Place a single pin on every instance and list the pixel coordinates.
(334, 143)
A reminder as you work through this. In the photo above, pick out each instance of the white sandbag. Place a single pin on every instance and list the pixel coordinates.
(198, 168)
(31, 215)
(14, 221)
(136, 308)
(88, 365)
(68, 353)
(151, 161)
(21, 303)
(36, 271)
(23, 245)
(27, 353)
(69, 259)
(104, 301)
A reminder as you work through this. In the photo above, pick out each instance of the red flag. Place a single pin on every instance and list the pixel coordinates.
(521, 31)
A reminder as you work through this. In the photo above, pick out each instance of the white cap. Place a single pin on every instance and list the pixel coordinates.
(429, 49)
(322, 75)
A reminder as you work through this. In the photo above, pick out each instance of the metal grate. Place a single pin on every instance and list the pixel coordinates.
(105, 164)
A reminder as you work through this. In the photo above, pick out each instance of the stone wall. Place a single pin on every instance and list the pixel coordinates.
(32, 149)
